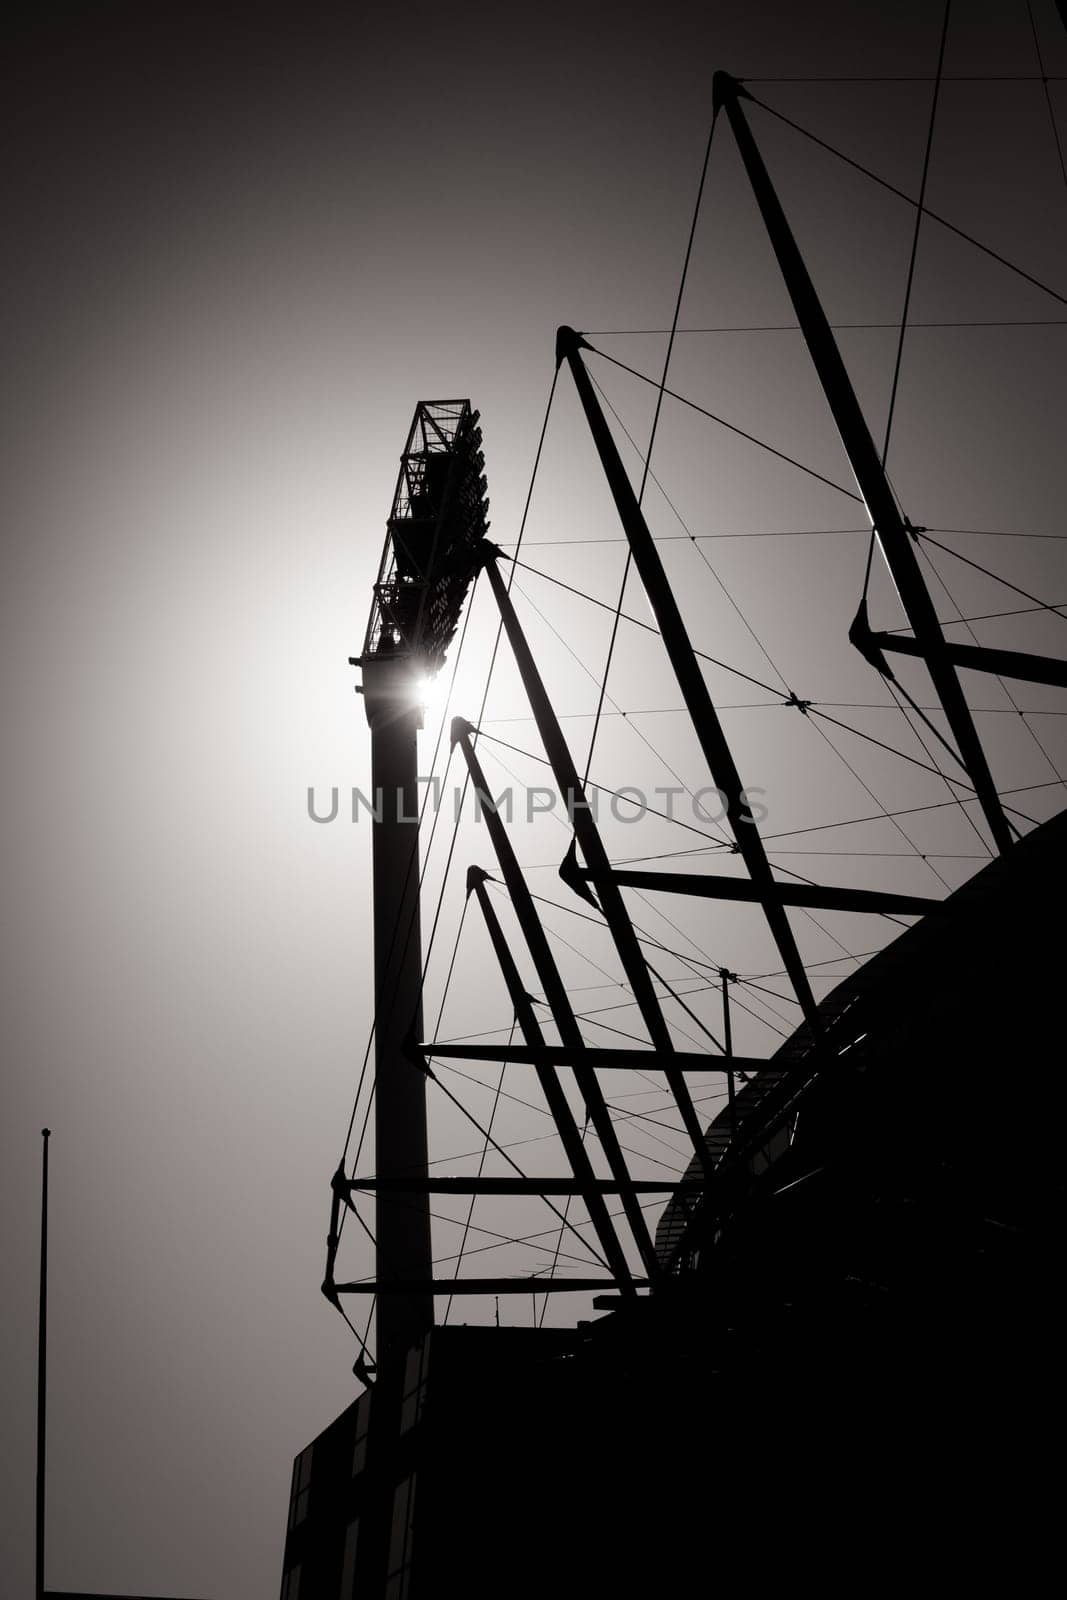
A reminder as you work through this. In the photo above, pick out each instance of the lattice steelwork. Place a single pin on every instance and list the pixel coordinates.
(437, 520)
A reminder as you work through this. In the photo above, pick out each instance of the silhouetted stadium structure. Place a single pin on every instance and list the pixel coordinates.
(829, 1360)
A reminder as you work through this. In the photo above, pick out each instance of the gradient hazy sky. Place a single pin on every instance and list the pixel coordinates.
(242, 243)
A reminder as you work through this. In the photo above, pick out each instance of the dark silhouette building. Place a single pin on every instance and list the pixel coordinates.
(850, 1368)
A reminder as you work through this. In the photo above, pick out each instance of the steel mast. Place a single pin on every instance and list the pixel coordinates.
(895, 535)
(438, 518)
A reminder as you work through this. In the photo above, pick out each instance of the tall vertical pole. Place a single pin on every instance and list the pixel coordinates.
(402, 1222)
(890, 527)
(437, 520)
(42, 1370)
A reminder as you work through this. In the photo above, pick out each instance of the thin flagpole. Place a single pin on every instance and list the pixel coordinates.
(42, 1352)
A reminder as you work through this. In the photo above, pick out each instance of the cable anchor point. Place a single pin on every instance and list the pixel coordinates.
(365, 1369)
(417, 1055)
(487, 551)
(476, 876)
(861, 636)
(568, 343)
(725, 87)
(571, 874)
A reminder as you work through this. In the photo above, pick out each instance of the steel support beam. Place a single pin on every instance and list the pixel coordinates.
(515, 1186)
(596, 1059)
(818, 896)
(555, 992)
(687, 671)
(451, 1286)
(886, 519)
(612, 904)
(977, 657)
(552, 1089)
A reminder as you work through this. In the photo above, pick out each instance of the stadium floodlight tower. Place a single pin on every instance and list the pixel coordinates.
(437, 521)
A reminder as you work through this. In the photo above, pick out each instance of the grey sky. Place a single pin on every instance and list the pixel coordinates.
(244, 244)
